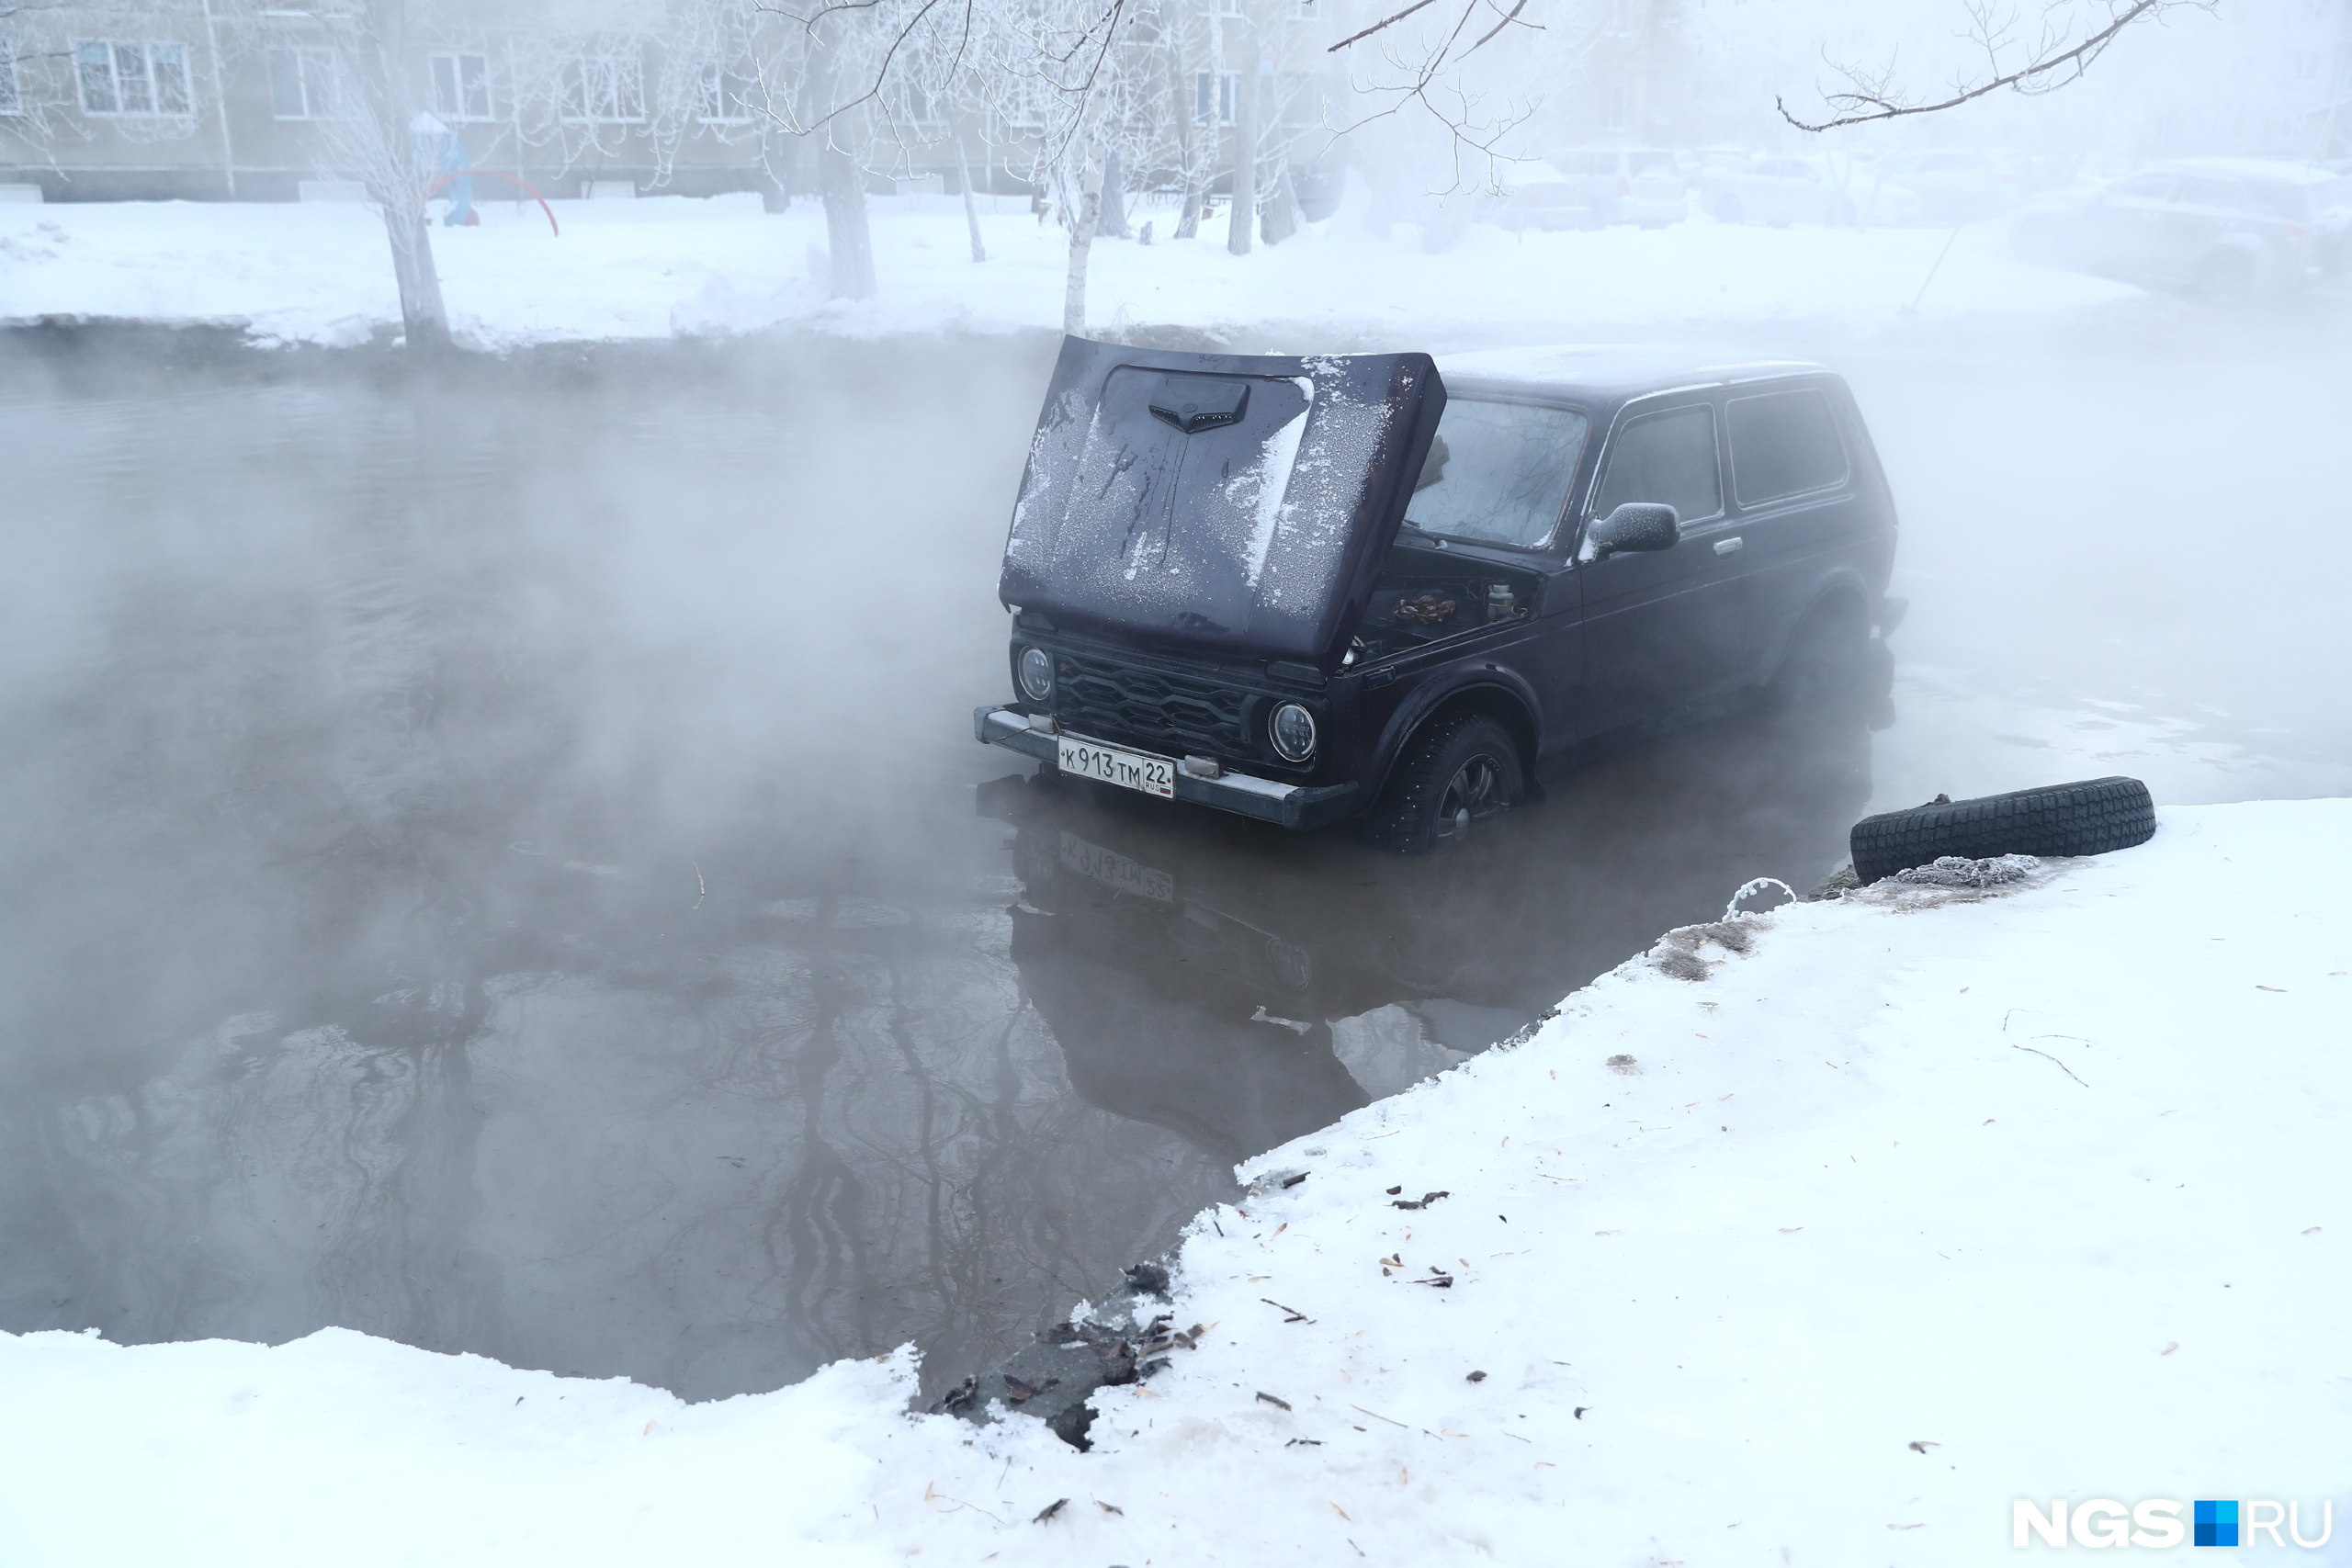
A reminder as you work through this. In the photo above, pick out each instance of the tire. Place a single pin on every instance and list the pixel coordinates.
(1463, 767)
(1827, 667)
(2085, 818)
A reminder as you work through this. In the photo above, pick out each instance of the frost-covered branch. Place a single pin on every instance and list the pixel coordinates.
(2058, 55)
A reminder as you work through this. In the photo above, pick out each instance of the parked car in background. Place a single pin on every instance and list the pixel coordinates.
(1958, 187)
(2228, 229)
(1534, 194)
(1617, 184)
(1804, 190)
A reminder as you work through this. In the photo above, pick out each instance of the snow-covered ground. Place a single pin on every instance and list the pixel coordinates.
(1819, 1237)
(319, 272)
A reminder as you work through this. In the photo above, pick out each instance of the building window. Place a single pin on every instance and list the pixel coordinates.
(1214, 95)
(604, 90)
(461, 87)
(130, 78)
(304, 84)
(12, 101)
(727, 94)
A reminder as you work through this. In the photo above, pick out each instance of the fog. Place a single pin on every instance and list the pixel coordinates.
(498, 857)
(500, 860)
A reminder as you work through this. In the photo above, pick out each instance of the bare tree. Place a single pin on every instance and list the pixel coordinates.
(1415, 59)
(352, 67)
(1055, 85)
(2052, 52)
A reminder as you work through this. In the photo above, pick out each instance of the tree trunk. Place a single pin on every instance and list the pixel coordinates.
(1189, 135)
(1281, 219)
(971, 206)
(388, 163)
(1244, 152)
(849, 243)
(1113, 217)
(423, 318)
(1082, 241)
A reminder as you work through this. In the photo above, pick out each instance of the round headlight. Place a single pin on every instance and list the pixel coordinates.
(1292, 729)
(1037, 674)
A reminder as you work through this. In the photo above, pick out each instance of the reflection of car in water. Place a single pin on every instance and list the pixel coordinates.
(1309, 588)
(2230, 229)
(1242, 986)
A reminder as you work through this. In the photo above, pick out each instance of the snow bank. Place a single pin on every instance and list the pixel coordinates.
(1898, 1209)
(317, 273)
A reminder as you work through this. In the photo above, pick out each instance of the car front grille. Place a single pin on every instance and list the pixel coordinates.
(1175, 715)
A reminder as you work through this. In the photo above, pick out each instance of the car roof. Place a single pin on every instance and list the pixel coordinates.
(2277, 171)
(1611, 372)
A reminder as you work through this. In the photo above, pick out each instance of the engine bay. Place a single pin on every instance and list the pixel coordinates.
(1427, 596)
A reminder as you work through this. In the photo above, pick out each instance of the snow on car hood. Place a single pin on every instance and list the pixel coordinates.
(1218, 503)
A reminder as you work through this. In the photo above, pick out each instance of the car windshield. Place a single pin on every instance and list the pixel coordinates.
(1498, 473)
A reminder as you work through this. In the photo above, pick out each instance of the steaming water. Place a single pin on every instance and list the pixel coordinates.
(500, 862)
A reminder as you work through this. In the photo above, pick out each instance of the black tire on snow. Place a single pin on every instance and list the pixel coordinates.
(1431, 775)
(2084, 818)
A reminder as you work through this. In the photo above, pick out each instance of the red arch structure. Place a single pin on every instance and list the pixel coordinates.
(445, 181)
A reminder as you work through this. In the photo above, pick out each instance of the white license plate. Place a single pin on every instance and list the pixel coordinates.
(1113, 869)
(1116, 765)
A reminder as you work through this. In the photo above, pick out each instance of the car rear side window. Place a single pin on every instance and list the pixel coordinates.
(2195, 192)
(1783, 444)
(2265, 200)
(1667, 458)
(1498, 473)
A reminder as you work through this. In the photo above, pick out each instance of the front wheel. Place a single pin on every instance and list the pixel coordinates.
(1457, 771)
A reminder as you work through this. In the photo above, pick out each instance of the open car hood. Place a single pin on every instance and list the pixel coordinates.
(1219, 504)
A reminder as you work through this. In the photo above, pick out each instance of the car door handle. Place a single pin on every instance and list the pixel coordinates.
(1729, 547)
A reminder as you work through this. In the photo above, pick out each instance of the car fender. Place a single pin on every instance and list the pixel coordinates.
(2257, 254)
(1443, 690)
(1841, 580)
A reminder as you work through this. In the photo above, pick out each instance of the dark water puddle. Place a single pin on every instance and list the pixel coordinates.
(498, 860)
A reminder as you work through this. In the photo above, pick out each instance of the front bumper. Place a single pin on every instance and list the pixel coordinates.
(1269, 800)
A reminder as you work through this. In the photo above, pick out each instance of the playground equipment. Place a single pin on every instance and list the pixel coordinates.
(443, 182)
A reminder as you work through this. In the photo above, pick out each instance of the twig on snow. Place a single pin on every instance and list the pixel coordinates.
(2048, 1057)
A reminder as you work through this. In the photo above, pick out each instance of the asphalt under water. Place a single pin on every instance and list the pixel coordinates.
(497, 858)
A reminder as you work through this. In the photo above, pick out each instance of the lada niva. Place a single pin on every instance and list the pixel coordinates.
(1372, 586)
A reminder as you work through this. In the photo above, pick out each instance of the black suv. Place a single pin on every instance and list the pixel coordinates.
(1307, 588)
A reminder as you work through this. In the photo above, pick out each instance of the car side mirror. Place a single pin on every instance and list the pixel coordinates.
(1637, 525)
